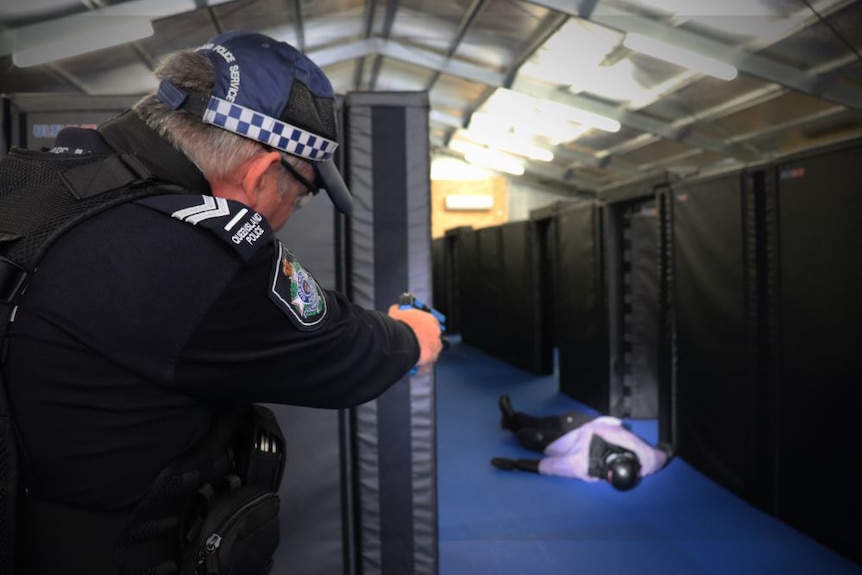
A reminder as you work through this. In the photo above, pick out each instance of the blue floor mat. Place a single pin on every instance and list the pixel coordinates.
(495, 522)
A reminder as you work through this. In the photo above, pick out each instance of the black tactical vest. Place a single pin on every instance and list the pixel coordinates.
(215, 509)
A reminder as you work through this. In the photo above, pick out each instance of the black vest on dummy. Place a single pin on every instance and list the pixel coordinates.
(42, 195)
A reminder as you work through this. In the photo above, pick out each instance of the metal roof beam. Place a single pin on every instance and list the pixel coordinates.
(431, 60)
(368, 27)
(300, 25)
(742, 102)
(546, 32)
(388, 23)
(565, 175)
(635, 120)
(344, 52)
(152, 9)
(464, 25)
(434, 61)
(751, 64)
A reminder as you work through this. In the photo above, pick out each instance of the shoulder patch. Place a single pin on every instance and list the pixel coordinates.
(295, 291)
(234, 222)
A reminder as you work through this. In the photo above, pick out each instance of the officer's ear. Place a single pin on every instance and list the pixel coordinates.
(259, 178)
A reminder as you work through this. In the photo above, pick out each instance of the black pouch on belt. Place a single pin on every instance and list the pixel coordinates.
(235, 530)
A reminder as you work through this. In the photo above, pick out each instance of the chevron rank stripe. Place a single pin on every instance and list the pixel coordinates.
(210, 208)
(244, 229)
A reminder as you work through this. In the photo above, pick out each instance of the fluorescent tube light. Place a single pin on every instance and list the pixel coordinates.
(506, 142)
(525, 126)
(79, 34)
(449, 168)
(680, 56)
(593, 120)
(543, 117)
(469, 202)
(495, 161)
(525, 149)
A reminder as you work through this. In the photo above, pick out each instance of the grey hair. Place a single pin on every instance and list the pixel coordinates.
(215, 151)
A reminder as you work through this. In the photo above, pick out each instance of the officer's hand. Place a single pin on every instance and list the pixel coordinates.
(427, 330)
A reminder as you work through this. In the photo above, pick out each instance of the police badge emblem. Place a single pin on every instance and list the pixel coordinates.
(295, 291)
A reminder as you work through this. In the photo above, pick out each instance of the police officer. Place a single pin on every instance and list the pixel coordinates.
(148, 316)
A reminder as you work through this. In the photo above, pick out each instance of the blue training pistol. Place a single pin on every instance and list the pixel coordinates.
(409, 301)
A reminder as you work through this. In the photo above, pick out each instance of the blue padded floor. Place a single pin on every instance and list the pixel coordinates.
(513, 523)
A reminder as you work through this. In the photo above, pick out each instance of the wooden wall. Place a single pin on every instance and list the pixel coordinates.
(442, 219)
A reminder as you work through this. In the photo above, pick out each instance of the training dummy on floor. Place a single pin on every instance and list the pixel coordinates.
(581, 446)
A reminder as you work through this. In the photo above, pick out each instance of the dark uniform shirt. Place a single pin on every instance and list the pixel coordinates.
(136, 324)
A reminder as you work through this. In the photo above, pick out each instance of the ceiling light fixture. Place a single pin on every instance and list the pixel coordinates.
(79, 34)
(507, 142)
(468, 202)
(495, 161)
(680, 56)
(593, 120)
(540, 116)
(524, 127)
(451, 168)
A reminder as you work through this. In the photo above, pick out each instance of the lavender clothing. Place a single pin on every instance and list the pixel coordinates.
(569, 455)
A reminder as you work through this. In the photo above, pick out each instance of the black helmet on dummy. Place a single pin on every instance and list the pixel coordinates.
(622, 469)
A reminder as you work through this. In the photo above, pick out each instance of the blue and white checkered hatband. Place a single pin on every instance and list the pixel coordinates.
(268, 130)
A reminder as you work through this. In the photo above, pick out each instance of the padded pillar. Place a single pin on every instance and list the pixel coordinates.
(388, 240)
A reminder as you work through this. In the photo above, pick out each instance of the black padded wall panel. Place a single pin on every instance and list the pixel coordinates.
(764, 282)
(439, 281)
(452, 277)
(388, 239)
(546, 250)
(468, 256)
(525, 342)
(819, 204)
(501, 297)
(581, 306)
(489, 299)
(721, 419)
